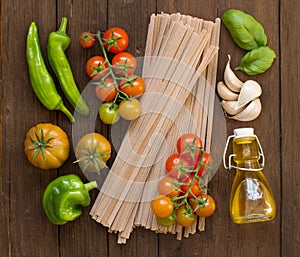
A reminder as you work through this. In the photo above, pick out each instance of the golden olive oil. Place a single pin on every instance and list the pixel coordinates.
(251, 198)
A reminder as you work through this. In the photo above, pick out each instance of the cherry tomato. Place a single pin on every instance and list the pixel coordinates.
(185, 216)
(176, 166)
(189, 147)
(106, 90)
(124, 64)
(96, 67)
(115, 40)
(167, 186)
(130, 110)
(133, 87)
(86, 39)
(162, 206)
(108, 113)
(203, 206)
(192, 185)
(168, 221)
(206, 161)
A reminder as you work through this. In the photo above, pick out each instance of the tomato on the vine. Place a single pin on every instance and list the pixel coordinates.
(86, 39)
(167, 186)
(133, 86)
(191, 186)
(92, 151)
(185, 216)
(177, 167)
(203, 206)
(162, 206)
(96, 67)
(168, 221)
(189, 147)
(124, 64)
(115, 40)
(108, 113)
(106, 90)
(206, 161)
(130, 109)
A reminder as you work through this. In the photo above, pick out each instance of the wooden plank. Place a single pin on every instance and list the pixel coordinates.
(24, 227)
(290, 92)
(82, 237)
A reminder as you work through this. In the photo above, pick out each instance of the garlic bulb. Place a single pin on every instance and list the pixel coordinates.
(231, 80)
(225, 93)
(251, 112)
(250, 91)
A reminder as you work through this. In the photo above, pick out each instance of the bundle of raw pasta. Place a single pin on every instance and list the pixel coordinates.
(179, 69)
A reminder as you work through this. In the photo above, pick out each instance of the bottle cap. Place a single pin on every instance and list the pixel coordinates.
(243, 132)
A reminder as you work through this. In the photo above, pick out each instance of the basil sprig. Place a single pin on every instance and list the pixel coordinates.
(249, 34)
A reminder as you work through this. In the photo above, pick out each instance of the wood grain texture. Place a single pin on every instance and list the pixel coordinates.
(25, 230)
(290, 112)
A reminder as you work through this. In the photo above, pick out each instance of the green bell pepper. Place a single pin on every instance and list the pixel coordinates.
(64, 197)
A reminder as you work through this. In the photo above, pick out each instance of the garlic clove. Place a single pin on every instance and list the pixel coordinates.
(230, 107)
(231, 80)
(225, 93)
(250, 91)
(251, 112)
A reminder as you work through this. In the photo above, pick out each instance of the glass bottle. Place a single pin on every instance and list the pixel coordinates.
(251, 198)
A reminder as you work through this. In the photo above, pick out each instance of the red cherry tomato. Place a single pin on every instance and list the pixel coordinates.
(189, 147)
(106, 90)
(115, 40)
(206, 161)
(176, 166)
(133, 87)
(96, 67)
(192, 186)
(86, 39)
(124, 64)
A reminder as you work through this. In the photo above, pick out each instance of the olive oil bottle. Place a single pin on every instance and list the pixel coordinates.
(251, 198)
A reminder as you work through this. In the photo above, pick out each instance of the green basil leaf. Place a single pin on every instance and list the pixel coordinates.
(246, 32)
(257, 60)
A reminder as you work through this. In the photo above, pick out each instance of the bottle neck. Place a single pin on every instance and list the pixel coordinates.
(249, 164)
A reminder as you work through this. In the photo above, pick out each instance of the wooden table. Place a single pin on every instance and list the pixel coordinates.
(25, 230)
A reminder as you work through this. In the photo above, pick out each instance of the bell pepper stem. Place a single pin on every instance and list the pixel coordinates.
(63, 26)
(90, 185)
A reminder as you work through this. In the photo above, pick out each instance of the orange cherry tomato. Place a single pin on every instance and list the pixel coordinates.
(133, 87)
(166, 186)
(185, 216)
(204, 206)
(162, 206)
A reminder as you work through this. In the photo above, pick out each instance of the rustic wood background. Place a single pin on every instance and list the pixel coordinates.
(25, 231)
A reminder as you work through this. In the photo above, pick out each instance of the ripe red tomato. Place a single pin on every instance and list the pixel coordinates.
(124, 64)
(189, 147)
(176, 166)
(86, 39)
(167, 186)
(96, 67)
(133, 87)
(206, 161)
(162, 206)
(185, 216)
(106, 90)
(115, 40)
(192, 186)
(203, 206)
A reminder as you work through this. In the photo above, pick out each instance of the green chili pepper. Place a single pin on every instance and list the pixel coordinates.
(58, 42)
(64, 197)
(41, 80)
